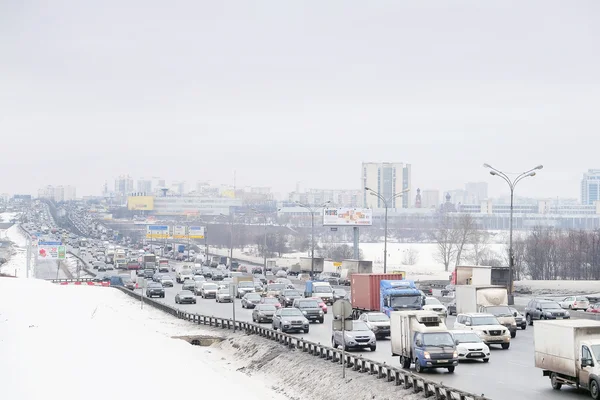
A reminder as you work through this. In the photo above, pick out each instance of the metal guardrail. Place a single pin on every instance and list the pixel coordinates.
(398, 376)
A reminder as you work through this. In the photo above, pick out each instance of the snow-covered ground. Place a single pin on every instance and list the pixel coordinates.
(70, 342)
(7, 216)
(557, 288)
(17, 263)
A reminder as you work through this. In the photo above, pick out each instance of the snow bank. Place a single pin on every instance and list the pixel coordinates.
(73, 342)
(7, 216)
(567, 288)
(17, 263)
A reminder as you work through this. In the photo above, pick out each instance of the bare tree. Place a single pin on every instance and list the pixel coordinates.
(411, 256)
(445, 238)
(464, 232)
(479, 241)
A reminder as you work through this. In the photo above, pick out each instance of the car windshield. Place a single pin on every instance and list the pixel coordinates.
(581, 298)
(223, 291)
(467, 337)
(378, 318)
(431, 301)
(290, 312)
(550, 306)
(340, 292)
(402, 301)
(154, 284)
(211, 286)
(441, 339)
(322, 289)
(270, 300)
(165, 278)
(185, 293)
(253, 296)
(266, 308)
(359, 326)
(246, 284)
(596, 351)
(275, 287)
(308, 304)
(289, 293)
(484, 321)
(499, 311)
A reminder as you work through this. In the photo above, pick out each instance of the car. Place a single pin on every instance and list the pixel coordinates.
(271, 300)
(451, 307)
(166, 281)
(519, 318)
(339, 294)
(470, 346)
(207, 272)
(185, 296)
(544, 309)
(290, 319)
(96, 264)
(377, 322)
(275, 289)
(250, 300)
(448, 291)
(263, 313)
(199, 278)
(163, 268)
(218, 275)
(156, 277)
(360, 337)
(110, 267)
(260, 277)
(223, 295)
(128, 283)
(281, 274)
(102, 268)
(155, 289)
(310, 308)
(287, 297)
(208, 290)
(433, 304)
(320, 302)
(243, 288)
(486, 326)
(575, 303)
(188, 284)
(594, 308)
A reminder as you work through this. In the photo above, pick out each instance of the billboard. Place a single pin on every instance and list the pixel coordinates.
(196, 232)
(347, 217)
(52, 251)
(180, 232)
(140, 203)
(157, 232)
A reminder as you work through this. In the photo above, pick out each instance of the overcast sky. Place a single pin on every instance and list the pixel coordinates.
(287, 91)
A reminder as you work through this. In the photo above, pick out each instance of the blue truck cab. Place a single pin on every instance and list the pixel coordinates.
(399, 295)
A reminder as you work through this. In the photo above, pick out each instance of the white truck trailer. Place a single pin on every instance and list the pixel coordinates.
(568, 352)
(489, 299)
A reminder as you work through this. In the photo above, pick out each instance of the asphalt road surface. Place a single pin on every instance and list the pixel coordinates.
(46, 269)
(509, 374)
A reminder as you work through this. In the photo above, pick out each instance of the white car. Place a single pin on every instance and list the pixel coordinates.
(433, 304)
(184, 274)
(575, 303)
(223, 295)
(470, 346)
(486, 326)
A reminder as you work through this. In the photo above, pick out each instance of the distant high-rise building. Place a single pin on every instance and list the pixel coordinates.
(161, 183)
(387, 179)
(430, 198)
(144, 186)
(477, 191)
(590, 187)
(57, 193)
(124, 185)
(178, 188)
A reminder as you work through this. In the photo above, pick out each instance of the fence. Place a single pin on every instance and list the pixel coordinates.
(397, 376)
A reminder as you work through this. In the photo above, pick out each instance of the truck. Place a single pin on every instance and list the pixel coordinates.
(489, 299)
(306, 264)
(149, 261)
(479, 275)
(319, 289)
(120, 259)
(243, 284)
(272, 264)
(214, 261)
(421, 337)
(350, 267)
(567, 352)
(384, 293)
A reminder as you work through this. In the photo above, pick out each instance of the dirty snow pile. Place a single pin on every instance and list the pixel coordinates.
(74, 342)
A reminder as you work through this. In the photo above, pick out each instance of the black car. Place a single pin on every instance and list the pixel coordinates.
(287, 297)
(207, 272)
(310, 308)
(155, 289)
(250, 300)
(544, 309)
(218, 275)
(451, 307)
(148, 273)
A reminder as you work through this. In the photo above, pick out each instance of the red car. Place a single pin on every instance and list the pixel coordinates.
(271, 301)
(594, 308)
(321, 304)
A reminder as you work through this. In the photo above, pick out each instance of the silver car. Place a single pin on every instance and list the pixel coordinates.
(166, 281)
(209, 290)
(223, 295)
(378, 322)
(290, 319)
(360, 337)
(263, 313)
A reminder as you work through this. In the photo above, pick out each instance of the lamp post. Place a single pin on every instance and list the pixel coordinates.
(312, 210)
(265, 241)
(512, 183)
(386, 204)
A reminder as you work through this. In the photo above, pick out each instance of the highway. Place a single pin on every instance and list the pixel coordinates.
(509, 374)
(46, 269)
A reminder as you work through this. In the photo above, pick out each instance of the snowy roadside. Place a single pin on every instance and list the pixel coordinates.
(17, 263)
(557, 288)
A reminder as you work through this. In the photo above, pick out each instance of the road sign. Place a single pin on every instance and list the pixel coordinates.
(342, 309)
(342, 324)
(232, 290)
(337, 263)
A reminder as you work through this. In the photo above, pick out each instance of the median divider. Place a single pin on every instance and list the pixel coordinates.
(397, 376)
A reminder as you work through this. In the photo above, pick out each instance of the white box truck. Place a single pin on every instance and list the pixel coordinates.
(421, 337)
(489, 299)
(568, 352)
(350, 267)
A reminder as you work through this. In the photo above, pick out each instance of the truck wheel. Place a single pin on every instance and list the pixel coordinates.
(513, 334)
(556, 385)
(418, 367)
(505, 346)
(405, 361)
(594, 389)
(529, 319)
(451, 369)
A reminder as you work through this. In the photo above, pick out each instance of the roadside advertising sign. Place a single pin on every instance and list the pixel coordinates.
(52, 251)
(347, 217)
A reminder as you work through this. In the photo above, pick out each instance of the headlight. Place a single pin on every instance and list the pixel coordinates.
(567, 313)
(304, 312)
(513, 324)
(374, 328)
(455, 355)
(426, 355)
(321, 312)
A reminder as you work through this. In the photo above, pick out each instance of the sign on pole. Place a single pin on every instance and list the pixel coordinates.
(347, 217)
(52, 251)
(180, 232)
(196, 232)
(157, 232)
(342, 315)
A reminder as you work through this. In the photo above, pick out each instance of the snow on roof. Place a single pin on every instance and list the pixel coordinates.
(74, 342)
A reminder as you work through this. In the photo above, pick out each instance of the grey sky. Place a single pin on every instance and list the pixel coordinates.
(285, 91)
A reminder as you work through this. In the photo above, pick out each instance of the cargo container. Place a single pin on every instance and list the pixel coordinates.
(567, 352)
(479, 275)
(306, 264)
(350, 267)
(383, 292)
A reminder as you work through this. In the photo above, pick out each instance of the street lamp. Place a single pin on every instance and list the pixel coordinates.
(265, 243)
(312, 210)
(511, 184)
(386, 204)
